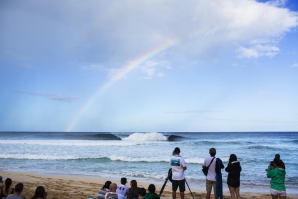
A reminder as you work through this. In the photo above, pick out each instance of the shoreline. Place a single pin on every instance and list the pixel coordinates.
(78, 186)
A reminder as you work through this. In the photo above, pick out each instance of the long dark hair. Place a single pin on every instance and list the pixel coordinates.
(8, 183)
(134, 187)
(40, 192)
(279, 162)
(107, 185)
(233, 158)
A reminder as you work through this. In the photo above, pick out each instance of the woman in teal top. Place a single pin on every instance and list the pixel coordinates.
(277, 173)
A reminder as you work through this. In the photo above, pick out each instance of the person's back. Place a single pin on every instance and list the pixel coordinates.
(105, 189)
(6, 190)
(112, 194)
(40, 193)
(151, 196)
(211, 175)
(277, 174)
(141, 193)
(122, 188)
(133, 190)
(17, 192)
(151, 193)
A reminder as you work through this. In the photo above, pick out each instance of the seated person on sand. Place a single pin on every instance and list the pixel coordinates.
(133, 190)
(18, 189)
(102, 192)
(40, 193)
(6, 190)
(151, 194)
(122, 188)
(112, 194)
(141, 193)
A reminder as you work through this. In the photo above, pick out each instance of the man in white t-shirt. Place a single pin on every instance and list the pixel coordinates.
(178, 179)
(112, 193)
(211, 176)
(122, 188)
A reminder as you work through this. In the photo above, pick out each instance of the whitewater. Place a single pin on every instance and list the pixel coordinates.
(145, 156)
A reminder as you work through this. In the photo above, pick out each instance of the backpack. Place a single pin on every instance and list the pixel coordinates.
(170, 175)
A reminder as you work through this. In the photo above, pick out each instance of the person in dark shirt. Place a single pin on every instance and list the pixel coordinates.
(233, 180)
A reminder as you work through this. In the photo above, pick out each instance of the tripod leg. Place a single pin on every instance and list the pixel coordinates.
(189, 189)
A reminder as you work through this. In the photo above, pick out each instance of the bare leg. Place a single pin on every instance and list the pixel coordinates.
(274, 197)
(182, 195)
(208, 194)
(174, 194)
(237, 191)
(232, 192)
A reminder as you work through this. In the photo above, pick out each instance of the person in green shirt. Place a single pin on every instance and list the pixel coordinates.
(151, 194)
(277, 173)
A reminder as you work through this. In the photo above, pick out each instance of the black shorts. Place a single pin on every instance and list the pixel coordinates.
(178, 183)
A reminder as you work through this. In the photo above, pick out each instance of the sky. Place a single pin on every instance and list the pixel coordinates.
(149, 66)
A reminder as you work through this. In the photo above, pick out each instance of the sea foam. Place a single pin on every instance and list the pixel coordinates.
(153, 136)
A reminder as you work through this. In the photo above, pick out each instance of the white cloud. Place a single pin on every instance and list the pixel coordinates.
(280, 3)
(149, 68)
(295, 65)
(257, 51)
(152, 68)
(107, 32)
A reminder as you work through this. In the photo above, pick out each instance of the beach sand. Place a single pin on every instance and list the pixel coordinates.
(82, 187)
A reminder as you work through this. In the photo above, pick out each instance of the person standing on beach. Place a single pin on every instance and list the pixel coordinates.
(233, 180)
(122, 188)
(213, 178)
(178, 179)
(277, 173)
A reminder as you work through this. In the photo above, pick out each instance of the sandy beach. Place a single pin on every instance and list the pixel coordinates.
(82, 187)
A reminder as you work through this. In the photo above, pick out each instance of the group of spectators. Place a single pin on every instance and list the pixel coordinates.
(7, 192)
(276, 171)
(113, 191)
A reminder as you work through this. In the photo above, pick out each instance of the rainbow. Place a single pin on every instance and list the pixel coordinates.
(125, 69)
(117, 76)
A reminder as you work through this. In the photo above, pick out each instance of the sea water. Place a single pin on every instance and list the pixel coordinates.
(145, 156)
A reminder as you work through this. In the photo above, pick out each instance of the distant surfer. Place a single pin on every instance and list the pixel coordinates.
(178, 179)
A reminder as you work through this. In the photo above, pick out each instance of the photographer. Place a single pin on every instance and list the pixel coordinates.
(178, 167)
(277, 174)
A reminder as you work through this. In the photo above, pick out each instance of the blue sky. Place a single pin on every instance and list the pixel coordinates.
(142, 66)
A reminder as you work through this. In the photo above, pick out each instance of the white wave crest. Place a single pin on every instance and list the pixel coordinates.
(153, 136)
(37, 157)
(68, 142)
(138, 159)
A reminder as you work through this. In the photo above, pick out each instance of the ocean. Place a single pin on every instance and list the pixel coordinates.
(145, 156)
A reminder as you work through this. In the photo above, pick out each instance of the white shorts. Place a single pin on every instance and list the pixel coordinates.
(278, 193)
